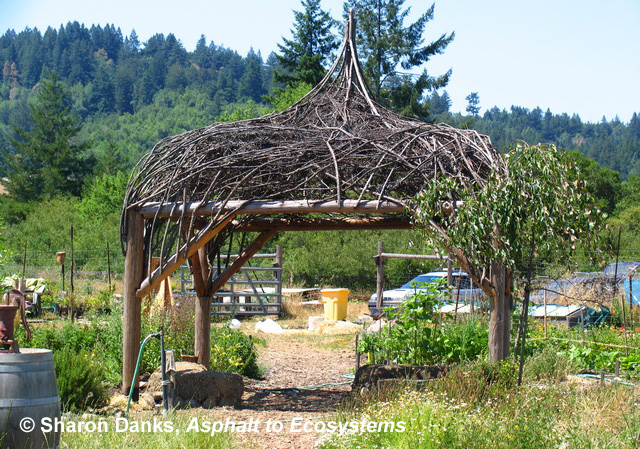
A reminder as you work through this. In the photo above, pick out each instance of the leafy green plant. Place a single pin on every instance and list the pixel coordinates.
(80, 381)
(416, 335)
(233, 351)
(547, 364)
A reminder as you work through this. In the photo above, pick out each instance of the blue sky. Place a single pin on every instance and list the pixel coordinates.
(573, 56)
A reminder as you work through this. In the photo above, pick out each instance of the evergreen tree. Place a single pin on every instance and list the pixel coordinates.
(440, 104)
(304, 56)
(48, 160)
(473, 107)
(386, 45)
(251, 86)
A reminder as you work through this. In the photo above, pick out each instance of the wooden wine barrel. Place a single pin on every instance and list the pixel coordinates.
(28, 389)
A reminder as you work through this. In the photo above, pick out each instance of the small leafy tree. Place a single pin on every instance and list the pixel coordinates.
(534, 206)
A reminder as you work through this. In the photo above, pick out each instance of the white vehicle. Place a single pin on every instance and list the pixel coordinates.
(393, 298)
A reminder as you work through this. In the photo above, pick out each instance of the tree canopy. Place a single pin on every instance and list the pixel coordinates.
(386, 45)
(304, 57)
(48, 159)
(536, 206)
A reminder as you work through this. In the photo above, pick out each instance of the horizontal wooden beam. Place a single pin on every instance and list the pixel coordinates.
(412, 256)
(175, 210)
(174, 262)
(324, 224)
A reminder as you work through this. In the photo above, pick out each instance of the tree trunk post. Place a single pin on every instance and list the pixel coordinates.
(500, 315)
(133, 274)
(202, 281)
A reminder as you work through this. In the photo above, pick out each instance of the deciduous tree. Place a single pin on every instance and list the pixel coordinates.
(534, 206)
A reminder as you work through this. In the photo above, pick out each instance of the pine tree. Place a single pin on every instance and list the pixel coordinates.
(473, 107)
(304, 56)
(48, 160)
(251, 86)
(386, 45)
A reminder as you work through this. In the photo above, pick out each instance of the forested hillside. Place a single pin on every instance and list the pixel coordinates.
(140, 92)
(611, 143)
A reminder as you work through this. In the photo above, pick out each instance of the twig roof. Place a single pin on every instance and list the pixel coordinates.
(336, 143)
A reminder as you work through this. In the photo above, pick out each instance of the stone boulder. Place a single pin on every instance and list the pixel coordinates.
(371, 376)
(195, 386)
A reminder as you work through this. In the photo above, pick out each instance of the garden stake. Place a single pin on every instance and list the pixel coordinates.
(357, 354)
(582, 322)
(624, 323)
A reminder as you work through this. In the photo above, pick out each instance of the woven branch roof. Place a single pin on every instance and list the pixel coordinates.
(336, 143)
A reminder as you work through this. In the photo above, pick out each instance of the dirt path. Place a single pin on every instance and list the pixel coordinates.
(291, 364)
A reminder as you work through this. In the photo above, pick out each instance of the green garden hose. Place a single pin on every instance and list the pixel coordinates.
(135, 373)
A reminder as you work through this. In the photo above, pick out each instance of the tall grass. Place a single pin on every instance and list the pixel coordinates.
(464, 411)
(179, 438)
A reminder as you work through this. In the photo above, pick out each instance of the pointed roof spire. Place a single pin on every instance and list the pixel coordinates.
(345, 70)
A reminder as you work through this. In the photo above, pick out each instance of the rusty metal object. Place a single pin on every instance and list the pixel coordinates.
(7, 320)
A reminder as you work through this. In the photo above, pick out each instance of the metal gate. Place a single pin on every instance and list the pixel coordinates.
(254, 290)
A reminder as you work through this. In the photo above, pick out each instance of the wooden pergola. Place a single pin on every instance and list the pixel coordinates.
(336, 160)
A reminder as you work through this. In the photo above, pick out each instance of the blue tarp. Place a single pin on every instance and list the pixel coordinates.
(636, 291)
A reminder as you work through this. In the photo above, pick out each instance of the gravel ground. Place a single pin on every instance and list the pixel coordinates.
(291, 364)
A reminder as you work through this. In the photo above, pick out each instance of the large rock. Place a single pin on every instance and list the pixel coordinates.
(207, 388)
(370, 376)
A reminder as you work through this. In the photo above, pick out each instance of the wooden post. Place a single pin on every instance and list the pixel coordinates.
(581, 322)
(170, 369)
(202, 283)
(278, 276)
(133, 275)
(279, 258)
(109, 268)
(544, 298)
(357, 356)
(380, 276)
(624, 323)
(450, 271)
(73, 266)
(24, 262)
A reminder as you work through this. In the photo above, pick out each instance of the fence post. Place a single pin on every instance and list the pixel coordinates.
(380, 275)
(71, 298)
(109, 267)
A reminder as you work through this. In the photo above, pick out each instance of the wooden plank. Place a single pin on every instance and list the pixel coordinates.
(133, 273)
(412, 256)
(326, 224)
(247, 254)
(175, 261)
(172, 210)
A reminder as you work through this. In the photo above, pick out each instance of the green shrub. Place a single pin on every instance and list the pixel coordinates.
(80, 381)
(479, 381)
(547, 364)
(233, 351)
(418, 337)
